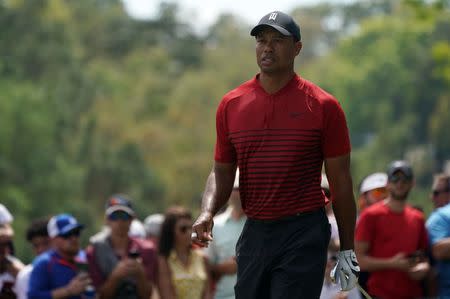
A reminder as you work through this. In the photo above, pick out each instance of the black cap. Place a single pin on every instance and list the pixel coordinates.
(401, 166)
(280, 21)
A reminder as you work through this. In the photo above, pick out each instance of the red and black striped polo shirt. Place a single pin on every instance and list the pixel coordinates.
(279, 142)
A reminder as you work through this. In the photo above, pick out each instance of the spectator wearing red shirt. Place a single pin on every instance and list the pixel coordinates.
(121, 267)
(279, 128)
(391, 240)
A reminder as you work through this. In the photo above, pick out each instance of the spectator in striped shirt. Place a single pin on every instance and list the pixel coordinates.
(279, 129)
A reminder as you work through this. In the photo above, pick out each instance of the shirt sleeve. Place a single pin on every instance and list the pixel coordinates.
(94, 269)
(151, 265)
(424, 242)
(364, 230)
(21, 286)
(335, 137)
(438, 227)
(224, 150)
(39, 286)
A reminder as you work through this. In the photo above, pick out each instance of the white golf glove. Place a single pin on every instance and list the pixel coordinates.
(346, 270)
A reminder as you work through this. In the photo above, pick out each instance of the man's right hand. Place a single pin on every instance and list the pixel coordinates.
(78, 284)
(128, 267)
(202, 229)
(401, 262)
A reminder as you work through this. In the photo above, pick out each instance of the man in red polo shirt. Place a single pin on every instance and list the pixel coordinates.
(279, 129)
(391, 240)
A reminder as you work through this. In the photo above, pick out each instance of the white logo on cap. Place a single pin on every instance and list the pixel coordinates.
(273, 16)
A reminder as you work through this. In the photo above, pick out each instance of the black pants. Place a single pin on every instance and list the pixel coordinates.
(283, 259)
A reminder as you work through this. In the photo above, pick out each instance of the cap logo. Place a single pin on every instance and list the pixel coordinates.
(273, 16)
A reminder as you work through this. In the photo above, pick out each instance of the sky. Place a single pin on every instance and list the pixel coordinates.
(204, 13)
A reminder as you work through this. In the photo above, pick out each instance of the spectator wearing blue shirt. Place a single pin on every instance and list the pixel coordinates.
(221, 252)
(55, 273)
(438, 226)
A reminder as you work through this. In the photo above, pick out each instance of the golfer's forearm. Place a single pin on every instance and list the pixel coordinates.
(209, 203)
(218, 187)
(344, 209)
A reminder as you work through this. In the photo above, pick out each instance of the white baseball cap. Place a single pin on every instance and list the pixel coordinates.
(373, 181)
(5, 215)
(153, 223)
(62, 224)
(137, 229)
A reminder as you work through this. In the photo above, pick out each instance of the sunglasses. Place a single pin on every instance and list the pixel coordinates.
(120, 215)
(437, 192)
(184, 228)
(74, 233)
(379, 192)
(397, 178)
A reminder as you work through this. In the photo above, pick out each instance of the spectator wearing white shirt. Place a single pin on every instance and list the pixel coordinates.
(37, 236)
(9, 265)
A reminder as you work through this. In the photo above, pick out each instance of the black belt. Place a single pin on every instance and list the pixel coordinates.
(289, 217)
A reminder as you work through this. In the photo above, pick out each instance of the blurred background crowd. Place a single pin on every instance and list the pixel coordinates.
(402, 253)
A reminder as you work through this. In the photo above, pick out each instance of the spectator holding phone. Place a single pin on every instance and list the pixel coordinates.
(55, 274)
(391, 239)
(121, 266)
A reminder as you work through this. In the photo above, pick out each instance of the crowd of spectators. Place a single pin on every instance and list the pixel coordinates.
(402, 254)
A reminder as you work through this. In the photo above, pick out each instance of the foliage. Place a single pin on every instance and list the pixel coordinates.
(93, 102)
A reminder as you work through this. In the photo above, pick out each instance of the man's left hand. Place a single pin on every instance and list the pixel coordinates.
(346, 270)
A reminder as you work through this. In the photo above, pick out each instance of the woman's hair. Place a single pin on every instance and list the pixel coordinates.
(167, 237)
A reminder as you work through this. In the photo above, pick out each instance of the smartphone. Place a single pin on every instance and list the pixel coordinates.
(134, 254)
(416, 256)
(82, 266)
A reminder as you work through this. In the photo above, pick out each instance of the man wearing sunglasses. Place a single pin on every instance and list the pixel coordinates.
(55, 274)
(440, 192)
(121, 266)
(438, 226)
(391, 239)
